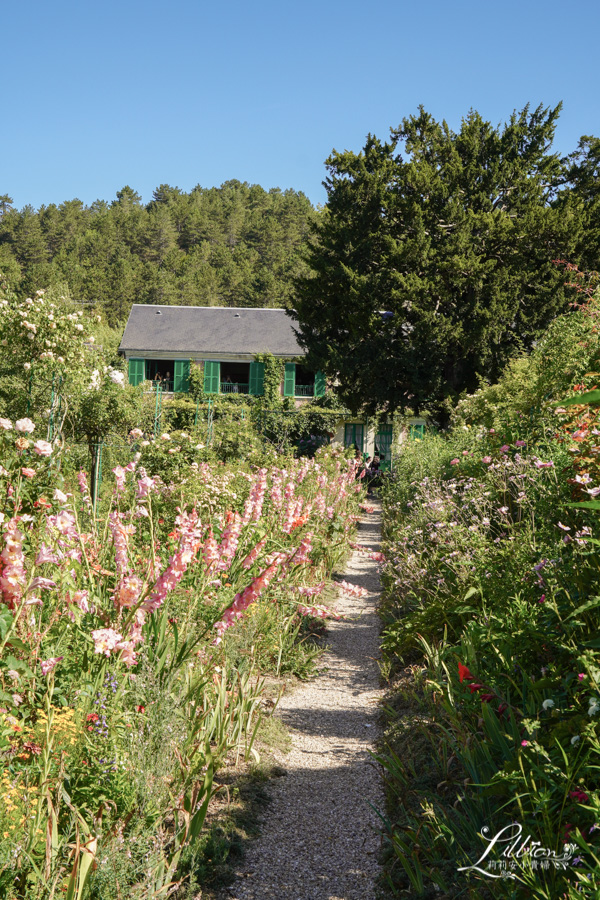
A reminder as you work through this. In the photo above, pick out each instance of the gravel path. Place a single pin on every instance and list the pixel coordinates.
(319, 840)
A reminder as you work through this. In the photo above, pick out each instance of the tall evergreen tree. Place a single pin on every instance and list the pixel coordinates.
(433, 260)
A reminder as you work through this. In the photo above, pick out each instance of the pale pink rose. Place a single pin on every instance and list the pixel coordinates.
(136, 433)
(6, 424)
(28, 473)
(24, 425)
(43, 448)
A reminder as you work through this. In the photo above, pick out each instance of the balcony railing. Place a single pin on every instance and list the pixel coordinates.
(233, 387)
(305, 390)
(163, 384)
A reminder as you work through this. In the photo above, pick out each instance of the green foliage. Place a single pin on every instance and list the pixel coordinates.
(236, 245)
(433, 262)
(493, 567)
(274, 369)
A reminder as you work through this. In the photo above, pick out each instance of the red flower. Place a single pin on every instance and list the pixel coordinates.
(140, 709)
(578, 795)
(485, 698)
(475, 687)
(463, 673)
(92, 717)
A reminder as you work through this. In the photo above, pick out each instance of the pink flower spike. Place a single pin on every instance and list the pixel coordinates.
(47, 665)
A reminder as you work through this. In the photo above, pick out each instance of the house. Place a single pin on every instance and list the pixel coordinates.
(161, 343)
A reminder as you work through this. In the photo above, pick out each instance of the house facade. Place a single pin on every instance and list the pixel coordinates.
(162, 343)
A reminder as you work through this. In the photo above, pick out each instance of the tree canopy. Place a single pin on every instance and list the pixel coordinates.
(434, 259)
(235, 245)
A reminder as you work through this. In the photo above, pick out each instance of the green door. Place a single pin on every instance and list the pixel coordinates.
(137, 370)
(289, 381)
(212, 376)
(354, 435)
(181, 378)
(416, 432)
(257, 379)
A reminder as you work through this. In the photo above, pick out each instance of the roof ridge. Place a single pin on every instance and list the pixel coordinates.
(183, 306)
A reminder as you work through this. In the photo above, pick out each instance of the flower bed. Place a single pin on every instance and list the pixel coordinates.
(491, 617)
(126, 676)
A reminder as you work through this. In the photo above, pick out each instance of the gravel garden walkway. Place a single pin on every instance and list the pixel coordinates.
(318, 840)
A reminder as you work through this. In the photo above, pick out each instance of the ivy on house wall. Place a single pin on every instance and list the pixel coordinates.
(274, 369)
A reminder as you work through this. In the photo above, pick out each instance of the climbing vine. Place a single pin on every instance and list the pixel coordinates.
(274, 369)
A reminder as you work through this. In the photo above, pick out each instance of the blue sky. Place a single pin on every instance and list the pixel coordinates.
(96, 96)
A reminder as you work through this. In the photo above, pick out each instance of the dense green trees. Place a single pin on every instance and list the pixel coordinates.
(434, 260)
(233, 245)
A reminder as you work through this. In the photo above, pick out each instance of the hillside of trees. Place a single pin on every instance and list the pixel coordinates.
(235, 245)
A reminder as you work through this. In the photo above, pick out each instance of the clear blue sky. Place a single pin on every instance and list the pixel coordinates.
(99, 95)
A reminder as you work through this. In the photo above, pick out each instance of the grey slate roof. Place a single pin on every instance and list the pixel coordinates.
(209, 329)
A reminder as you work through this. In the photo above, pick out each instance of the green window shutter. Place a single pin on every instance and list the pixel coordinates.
(181, 376)
(212, 376)
(137, 371)
(319, 384)
(289, 381)
(257, 379)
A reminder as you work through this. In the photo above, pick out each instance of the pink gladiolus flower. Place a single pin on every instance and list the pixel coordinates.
(128, 591)
(43, 583)
(105, 640)
(25, 426)
(47, 665)
(13, 575)
(84, 489)
(318, 612)
(145, 485)
(119, 473)
(80, 599)
(120, 534)
(353, 589)
(243, 599)
(43, 448)
(28, 473)
(312, 591)
(46, 555)
(190, 533)
(253, 555)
